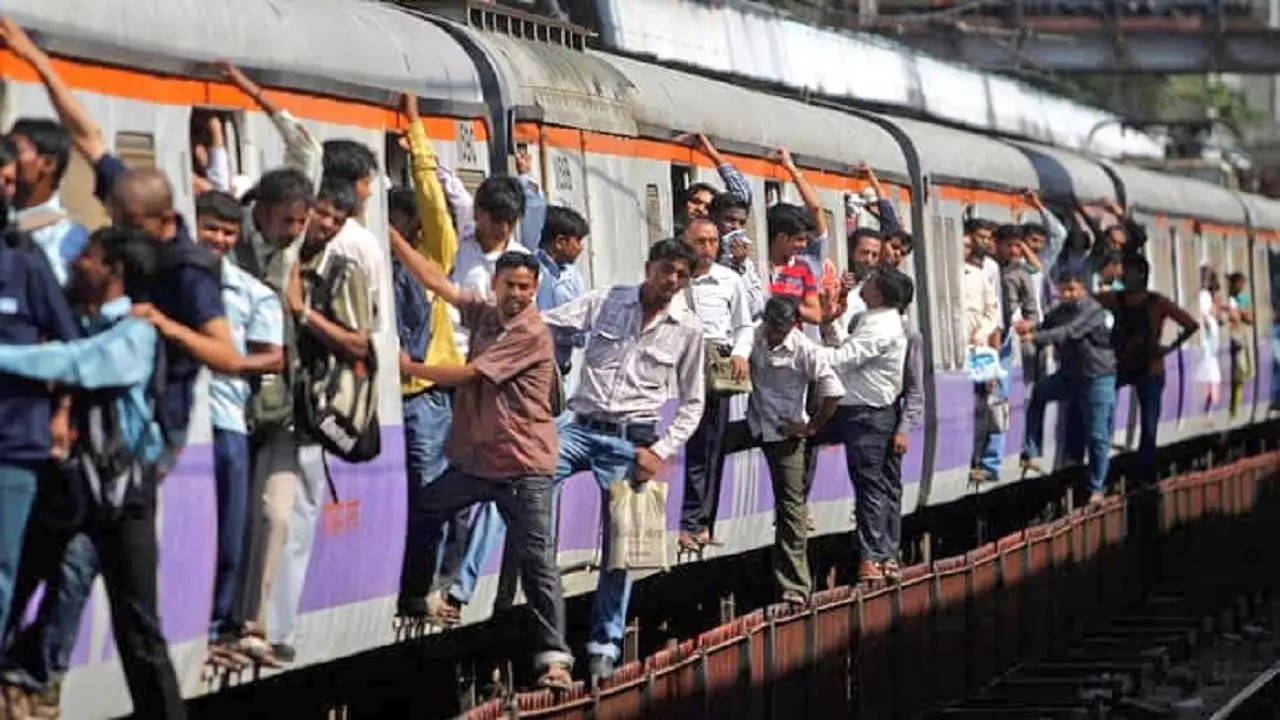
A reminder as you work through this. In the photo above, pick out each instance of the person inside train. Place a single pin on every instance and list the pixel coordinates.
(257, 327)
(909, 405)
(1240, 321)
(117, 457)
(785, 367)
(43, 149)
(210, 161)
(1044, 241)
(1206, 372)
(1140, 316)
(1111, 272)
(1017, 301)
(896, 248)
(1080, 328)
(564, 235)
(982, 329)
(790, 228)
(869, 363)
(696, 199)
(35, 310)
(832, 288)
(502, 446)
(718, 298)
(884, 211)
(642, 352)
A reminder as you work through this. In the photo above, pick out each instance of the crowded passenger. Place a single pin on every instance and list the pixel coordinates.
(1080, 329)
(642, 351)
(981, 305)
(1206, 373)
(910, 405)
(784, 366)
(564, 235)
(1240, 319)
(696, 199)
(716, 296)
(1140, 316)
(741, 262)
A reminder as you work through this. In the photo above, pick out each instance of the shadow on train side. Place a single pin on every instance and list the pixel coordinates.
(1022, 573)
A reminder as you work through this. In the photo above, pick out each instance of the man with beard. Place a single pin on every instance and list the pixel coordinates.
(1081, 329)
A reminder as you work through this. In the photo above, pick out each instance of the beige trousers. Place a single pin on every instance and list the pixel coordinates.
(277, 478)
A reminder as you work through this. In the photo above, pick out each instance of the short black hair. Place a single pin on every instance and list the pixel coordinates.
(895, 287)
(856, 236)
(694, 189)
(1112, 258)
(973, 225)
(781, 312)
(562, 221)
(903, 238)
(48, 138)
(511, 260)
(1008, 233)
(1031, 228)
(136, 253)
(8, 153)
(501, 197)
(1134, 261)
(788, 219)
(350, 160)
(727, 201)
(219, 205)
(339, 191)
(674, 251)
(403, 201)
(1235, 277)
(281, 186)
(1073, 274)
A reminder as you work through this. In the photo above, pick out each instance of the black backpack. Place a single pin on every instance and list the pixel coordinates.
(336, 397)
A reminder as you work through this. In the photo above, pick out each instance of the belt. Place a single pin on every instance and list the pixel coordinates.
(641, 433)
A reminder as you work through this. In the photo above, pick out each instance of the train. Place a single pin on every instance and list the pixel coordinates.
(600, 128)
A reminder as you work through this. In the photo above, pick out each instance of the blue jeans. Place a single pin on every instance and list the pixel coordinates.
(993, 452)
(41, 653)
(1097, 399)
(610, 459)
(17, 494)
(487, 530)
(1149, 389)
(231, 474)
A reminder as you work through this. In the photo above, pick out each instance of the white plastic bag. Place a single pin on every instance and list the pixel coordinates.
(982, 364)
(637, 526)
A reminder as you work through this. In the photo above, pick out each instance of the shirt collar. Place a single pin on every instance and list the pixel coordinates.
(109, 312)
(549, 264)
(673, 313)
(54, 204)
(789, 344)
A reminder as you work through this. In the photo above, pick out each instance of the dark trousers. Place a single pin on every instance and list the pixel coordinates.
(525, 504)
(893, 481)
(867, 436)
(231, 472)
(704, 466)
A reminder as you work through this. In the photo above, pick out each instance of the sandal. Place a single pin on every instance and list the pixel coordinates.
(556, 678)
(688, 542)
(704, 539)
(259, 650)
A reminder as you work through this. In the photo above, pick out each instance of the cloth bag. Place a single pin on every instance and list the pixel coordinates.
(637, 526)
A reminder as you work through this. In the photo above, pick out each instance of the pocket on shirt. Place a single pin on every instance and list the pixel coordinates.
(656, 365)
(603, 348)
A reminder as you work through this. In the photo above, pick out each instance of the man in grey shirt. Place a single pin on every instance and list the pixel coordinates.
(641, 351)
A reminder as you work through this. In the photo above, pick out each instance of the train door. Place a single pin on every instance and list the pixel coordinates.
(1266, 304)
(1189, 252)
(1237, 335)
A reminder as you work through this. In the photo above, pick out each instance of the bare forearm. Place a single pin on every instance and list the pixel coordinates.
(263, 361)
(428, 273)
(824, 413)
(352, 343)
(75, 119)
(440, 375)
(210, 349)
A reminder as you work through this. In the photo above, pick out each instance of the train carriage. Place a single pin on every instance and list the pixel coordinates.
(600, 129)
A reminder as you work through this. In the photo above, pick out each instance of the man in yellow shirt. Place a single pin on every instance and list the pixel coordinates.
(425, 326)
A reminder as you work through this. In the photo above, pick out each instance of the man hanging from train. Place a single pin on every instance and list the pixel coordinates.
(981, 329)
(696, 199)
(718, 299)
(642, 351)
(1140, 316)
(188, 291)
(43, 149)
(564, 232)
(502, 445)
(1080, 328)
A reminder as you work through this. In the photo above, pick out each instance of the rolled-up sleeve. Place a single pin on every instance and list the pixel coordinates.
(824, 377)
(735, 183)
(690, 385)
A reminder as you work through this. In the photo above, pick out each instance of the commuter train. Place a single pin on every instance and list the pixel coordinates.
(600, 129)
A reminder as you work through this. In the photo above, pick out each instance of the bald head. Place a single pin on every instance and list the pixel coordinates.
(142, 199)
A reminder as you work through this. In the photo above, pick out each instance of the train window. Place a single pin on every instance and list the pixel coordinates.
(942, 326)
(136, 150)
(653, 212)
(772, 193)
(681, 179)
(397, 155)
(215, 151)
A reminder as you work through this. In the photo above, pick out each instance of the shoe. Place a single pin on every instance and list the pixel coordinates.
(599, 667)
(284, 652)
(411, 608)
(891, 570)
(869, 571)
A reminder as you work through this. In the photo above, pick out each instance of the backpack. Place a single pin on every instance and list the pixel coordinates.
(335, 397)
(1132, 339)
(101, 456)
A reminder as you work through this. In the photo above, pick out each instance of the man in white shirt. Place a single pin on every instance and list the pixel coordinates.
(718, 298)
(982, 328)
(355, 163)
(498, 206)
(869, 363)
(784, 365)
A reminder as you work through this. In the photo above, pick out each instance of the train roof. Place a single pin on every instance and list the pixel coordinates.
(1179, 196)
(667, 101)
(1064, 174)
(963, 158)
(335, 47)
(1264, 212)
